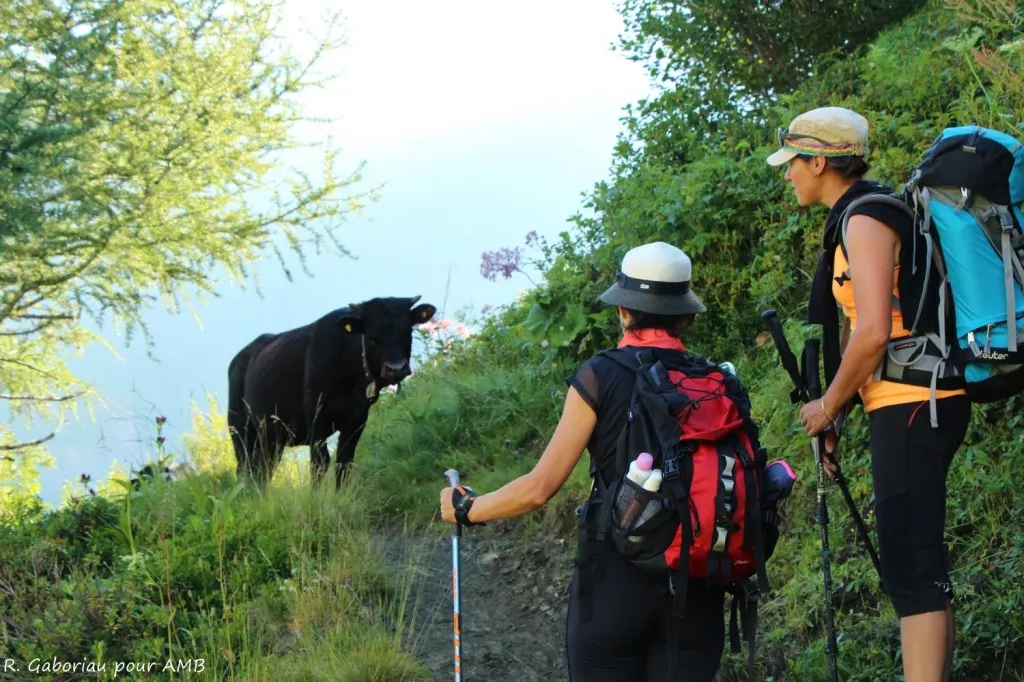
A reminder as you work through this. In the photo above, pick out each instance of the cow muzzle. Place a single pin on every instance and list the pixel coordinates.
(395, 371)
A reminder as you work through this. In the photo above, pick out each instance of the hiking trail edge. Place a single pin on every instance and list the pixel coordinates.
(514, 599)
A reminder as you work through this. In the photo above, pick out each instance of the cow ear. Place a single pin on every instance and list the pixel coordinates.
(422, 313)
(351, 324)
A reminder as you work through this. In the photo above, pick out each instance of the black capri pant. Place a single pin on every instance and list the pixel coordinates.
(627, 637)
(909, 462)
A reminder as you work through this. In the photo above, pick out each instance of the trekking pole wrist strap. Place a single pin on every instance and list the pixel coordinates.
(462, 500)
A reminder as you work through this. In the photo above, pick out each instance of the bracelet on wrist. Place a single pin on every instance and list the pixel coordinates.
(825, 410)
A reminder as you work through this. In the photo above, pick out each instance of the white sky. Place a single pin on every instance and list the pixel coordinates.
(484, 121)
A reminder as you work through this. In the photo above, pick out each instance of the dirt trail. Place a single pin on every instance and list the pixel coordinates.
(514, 597)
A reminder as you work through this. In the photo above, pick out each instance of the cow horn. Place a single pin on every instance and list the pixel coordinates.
(412, 301)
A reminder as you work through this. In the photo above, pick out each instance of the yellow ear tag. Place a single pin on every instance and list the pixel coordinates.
(348, 327)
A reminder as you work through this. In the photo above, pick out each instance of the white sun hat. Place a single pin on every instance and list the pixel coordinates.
(655, 278)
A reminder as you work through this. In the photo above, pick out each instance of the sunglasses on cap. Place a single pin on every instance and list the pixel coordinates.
(784, 135)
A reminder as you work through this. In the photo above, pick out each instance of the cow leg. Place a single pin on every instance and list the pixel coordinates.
(247, 430)
(246, 445)
(319, 428)
(351, 430)
(238, 416)
(266, 453)
(319, 458)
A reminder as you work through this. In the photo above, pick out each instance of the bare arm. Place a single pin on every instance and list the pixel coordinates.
(533, 490)
(871, 246)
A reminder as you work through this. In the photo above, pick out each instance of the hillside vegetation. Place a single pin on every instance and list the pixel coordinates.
(297, 586)
(690, 169)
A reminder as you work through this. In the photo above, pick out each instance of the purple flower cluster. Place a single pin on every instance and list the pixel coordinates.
(504, 261)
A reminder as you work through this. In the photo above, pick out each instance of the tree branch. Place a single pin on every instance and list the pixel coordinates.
(43, 398)
(28, 444)
(29, 367)
(28, 332)
(42, 316)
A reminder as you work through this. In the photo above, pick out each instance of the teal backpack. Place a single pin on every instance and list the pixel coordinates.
(965, 198)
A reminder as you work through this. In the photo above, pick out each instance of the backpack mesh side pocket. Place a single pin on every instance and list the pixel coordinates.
(643, 522)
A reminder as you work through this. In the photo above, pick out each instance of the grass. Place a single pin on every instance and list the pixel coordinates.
(290, 585)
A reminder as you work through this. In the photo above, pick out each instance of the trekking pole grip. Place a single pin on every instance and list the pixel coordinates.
(812, 349)
(786, 357)
(812, 352)
(452, 476)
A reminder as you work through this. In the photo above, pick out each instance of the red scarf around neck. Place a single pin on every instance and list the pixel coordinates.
(651, 338)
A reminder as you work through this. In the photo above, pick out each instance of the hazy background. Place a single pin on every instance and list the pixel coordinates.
(484, 121)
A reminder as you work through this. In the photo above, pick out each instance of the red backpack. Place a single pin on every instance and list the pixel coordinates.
(694, 419)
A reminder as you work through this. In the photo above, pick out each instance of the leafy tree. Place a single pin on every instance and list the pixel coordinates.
(721, 64)
(747, 50)
(141, 150)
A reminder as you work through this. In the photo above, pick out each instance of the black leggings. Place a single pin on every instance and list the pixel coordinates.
(909, 463)
(626, 638)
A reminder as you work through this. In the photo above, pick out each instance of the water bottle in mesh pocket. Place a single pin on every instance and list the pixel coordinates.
(643, 522)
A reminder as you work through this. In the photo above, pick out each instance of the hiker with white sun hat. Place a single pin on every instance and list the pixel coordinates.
(619, 625)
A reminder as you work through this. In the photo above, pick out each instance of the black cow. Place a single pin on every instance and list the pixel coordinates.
(301, 386)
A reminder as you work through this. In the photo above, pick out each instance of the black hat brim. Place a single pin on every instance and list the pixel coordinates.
(654, 304)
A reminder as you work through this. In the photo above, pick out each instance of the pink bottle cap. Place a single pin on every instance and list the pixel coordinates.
(645, 461)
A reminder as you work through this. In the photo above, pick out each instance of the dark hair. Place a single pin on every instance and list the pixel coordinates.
(849, 167)
(674, 325)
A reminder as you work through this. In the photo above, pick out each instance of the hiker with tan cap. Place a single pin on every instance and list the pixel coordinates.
(825, 154)
(623, 621)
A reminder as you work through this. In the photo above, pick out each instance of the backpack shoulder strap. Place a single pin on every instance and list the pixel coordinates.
(634, 363)
(595, 519)
(873, 198)
(631, 360)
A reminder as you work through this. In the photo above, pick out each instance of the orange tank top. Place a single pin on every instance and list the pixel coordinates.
(877, 394)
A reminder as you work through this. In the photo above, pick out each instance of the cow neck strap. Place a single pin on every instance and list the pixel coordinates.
(371, 388)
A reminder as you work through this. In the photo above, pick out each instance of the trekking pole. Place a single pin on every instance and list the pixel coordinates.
(453, 481)
(811, 348)
(799, 394)
(857, 520)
